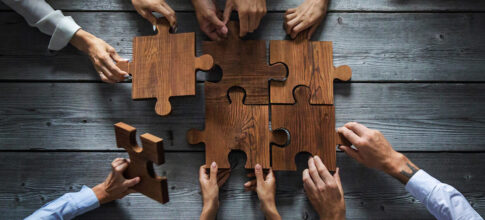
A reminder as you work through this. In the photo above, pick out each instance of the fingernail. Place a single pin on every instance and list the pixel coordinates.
(258, 167)
(317, 157)
(213, 164)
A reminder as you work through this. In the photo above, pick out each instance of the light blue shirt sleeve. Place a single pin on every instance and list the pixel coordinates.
(68, 206)
(442, 200)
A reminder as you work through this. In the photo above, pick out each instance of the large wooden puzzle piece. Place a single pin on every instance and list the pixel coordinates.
(164, 65)
(244, 64)
(311, 129)
(309, 63)
(232, 125)
(141, 161)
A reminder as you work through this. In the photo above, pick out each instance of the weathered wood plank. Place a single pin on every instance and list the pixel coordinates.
(342, 5)
(79, 116)
(36, 178)
(377, 46)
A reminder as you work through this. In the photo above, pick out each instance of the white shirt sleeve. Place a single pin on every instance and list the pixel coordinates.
(67, 206)
(442, 200)
(41, 15)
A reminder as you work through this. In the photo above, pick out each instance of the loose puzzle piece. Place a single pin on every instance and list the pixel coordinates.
(141, 159)
(232, 125)
(164, 65)
(311, 128)
(309, 63)
(244, 64)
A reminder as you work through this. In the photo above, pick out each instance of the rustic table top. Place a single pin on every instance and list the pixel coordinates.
(418, 76)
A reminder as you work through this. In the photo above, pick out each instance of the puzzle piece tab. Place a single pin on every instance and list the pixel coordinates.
(311, 128)
(309, 63)
(141, 159)
(164, 65)
(232, 125)
(244, 64)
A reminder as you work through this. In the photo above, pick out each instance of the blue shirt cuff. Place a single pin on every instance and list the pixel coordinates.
(86, 200)
(421, 185)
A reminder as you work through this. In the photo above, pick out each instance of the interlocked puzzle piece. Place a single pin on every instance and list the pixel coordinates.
(311, 129)
(164, 65)
(244, 64)
(232, 125)
(141, 159)
(309, 63)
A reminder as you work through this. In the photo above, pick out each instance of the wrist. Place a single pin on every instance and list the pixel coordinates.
(101, 194)
(211, 205)
(395, 163)
(269, 210)
(82, 40)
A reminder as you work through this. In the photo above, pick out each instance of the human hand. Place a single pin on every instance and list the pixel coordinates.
(374, 151)
(101, 55)
(324, 190)
(209, 185)
(115, 186)
(209, 19)
(308, 15)
(250, 14)
(265, 187)
(146, 7)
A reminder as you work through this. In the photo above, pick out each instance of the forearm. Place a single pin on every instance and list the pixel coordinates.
(209, 211)
(82, 39)
(270, 211)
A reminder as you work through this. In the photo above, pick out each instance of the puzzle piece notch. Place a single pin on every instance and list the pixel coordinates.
(311, 128)
(244, 64)
(232, 125)
(310, 63)
(141, 161)
(164, 65)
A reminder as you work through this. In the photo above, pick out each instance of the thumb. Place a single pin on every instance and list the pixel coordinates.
(227, 13)
(219, 24)
(213, 172)
(131, 182)
(258, 171)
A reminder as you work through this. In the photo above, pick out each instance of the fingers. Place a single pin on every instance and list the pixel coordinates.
(308, 182)
(312, 169)
(258, 171)
(131, 182)
(213, 172)
(351, 152)
(300, 27)
(357, 128)
(243, 23)
(322, 170)
(336, 176)
(312, 30)
(250, 185)
(202, 174)
(227, 12)
(223, 178)
(168, 12)
(148, 15)
(119, 165)
(219, 25)
(270, 176)
(349, 135)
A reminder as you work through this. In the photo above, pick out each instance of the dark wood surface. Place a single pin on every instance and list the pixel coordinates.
(418, 76)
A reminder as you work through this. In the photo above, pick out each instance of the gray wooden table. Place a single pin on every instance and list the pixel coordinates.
(418, 76)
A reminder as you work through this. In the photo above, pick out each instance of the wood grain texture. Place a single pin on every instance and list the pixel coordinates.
(231, 125)
(311, 129)
(434, 116)
(444, 47)
(244, 64)
(36, 178)
(343, 5)
(141, 161)
(164, 65)
(310, 63)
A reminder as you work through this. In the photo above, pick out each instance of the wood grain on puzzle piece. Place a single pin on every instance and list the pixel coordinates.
(164, 65)
(244, 64)
(141, 161)
(235, 126)
(311, 128)
(309, 63)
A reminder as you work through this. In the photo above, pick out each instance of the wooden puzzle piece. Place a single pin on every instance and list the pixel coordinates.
(311, 128)
(244, 64)
(309, 63)
(164, 65)
(141, 159)
(232, 125)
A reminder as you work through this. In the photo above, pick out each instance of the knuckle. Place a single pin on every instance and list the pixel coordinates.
(321, 188)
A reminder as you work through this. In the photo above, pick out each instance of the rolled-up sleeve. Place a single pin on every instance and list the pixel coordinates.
(442, 200)
(52, 22)
(68, 206)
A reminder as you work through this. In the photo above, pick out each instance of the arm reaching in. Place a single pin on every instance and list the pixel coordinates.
(209, 185)
(210, 19)
(306, 16)
(71, 205)
(324, 190)
(250, 14)
(374, 151)
(146, 7)
(265, 187)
